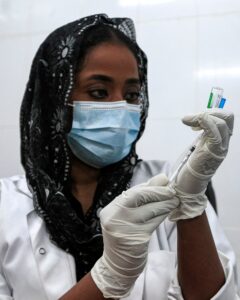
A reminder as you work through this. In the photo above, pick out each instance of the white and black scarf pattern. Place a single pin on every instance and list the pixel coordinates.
(44, 152)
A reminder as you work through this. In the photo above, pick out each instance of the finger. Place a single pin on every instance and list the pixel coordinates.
(152, 211)
(208, 124)
(144, 195)
(158, 180)
(215, 128)
(215, 145)
(227, 116)
(193, 120)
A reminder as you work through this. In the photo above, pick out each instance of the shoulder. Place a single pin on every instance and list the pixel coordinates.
(15, 195)
(146, 169)
(15, 205)
(14, 184)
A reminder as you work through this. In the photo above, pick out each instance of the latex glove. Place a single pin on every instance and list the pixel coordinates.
(127, 225)
(211, 149)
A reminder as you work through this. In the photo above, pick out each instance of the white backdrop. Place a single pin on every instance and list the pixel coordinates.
(192, 45)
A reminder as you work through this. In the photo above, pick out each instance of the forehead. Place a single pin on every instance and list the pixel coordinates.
(113, 59)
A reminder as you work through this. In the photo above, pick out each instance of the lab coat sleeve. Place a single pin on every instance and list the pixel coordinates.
(228, 260)
(227, 291)
(5, 293)
(221, 241)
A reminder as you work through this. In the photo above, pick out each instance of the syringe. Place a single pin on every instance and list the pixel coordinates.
(215, 100)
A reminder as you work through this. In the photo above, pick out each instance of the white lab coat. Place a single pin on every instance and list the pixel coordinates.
(33, 268)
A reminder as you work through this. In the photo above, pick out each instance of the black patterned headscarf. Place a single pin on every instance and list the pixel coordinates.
(44, 151)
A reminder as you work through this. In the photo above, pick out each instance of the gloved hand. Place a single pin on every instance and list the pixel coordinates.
(127, 225)
(211, 149)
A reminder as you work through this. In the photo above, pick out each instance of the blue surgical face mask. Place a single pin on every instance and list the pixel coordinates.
(103, 132)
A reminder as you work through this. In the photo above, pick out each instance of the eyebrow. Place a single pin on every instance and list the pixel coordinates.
(106, 78)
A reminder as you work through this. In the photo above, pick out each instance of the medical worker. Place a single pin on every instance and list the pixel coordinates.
(89, 219)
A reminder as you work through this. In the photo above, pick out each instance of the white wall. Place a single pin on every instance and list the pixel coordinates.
(192, 45)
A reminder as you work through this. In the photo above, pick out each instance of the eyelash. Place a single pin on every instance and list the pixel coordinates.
(92, 93)
(135, 94)
(102, 93)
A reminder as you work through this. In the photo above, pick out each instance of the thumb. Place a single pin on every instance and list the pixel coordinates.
(191, 120)
(158, 180)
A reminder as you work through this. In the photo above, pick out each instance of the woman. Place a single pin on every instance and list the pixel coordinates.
(83, 111)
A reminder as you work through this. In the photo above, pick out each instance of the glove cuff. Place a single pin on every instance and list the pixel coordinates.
(191, 206)
(114, 286)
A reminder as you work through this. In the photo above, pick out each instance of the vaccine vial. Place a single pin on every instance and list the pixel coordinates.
(215, 98)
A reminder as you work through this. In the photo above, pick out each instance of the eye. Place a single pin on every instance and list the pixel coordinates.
(98, 93)
(132, 97)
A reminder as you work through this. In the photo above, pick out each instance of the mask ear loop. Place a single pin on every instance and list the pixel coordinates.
(70, 104)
